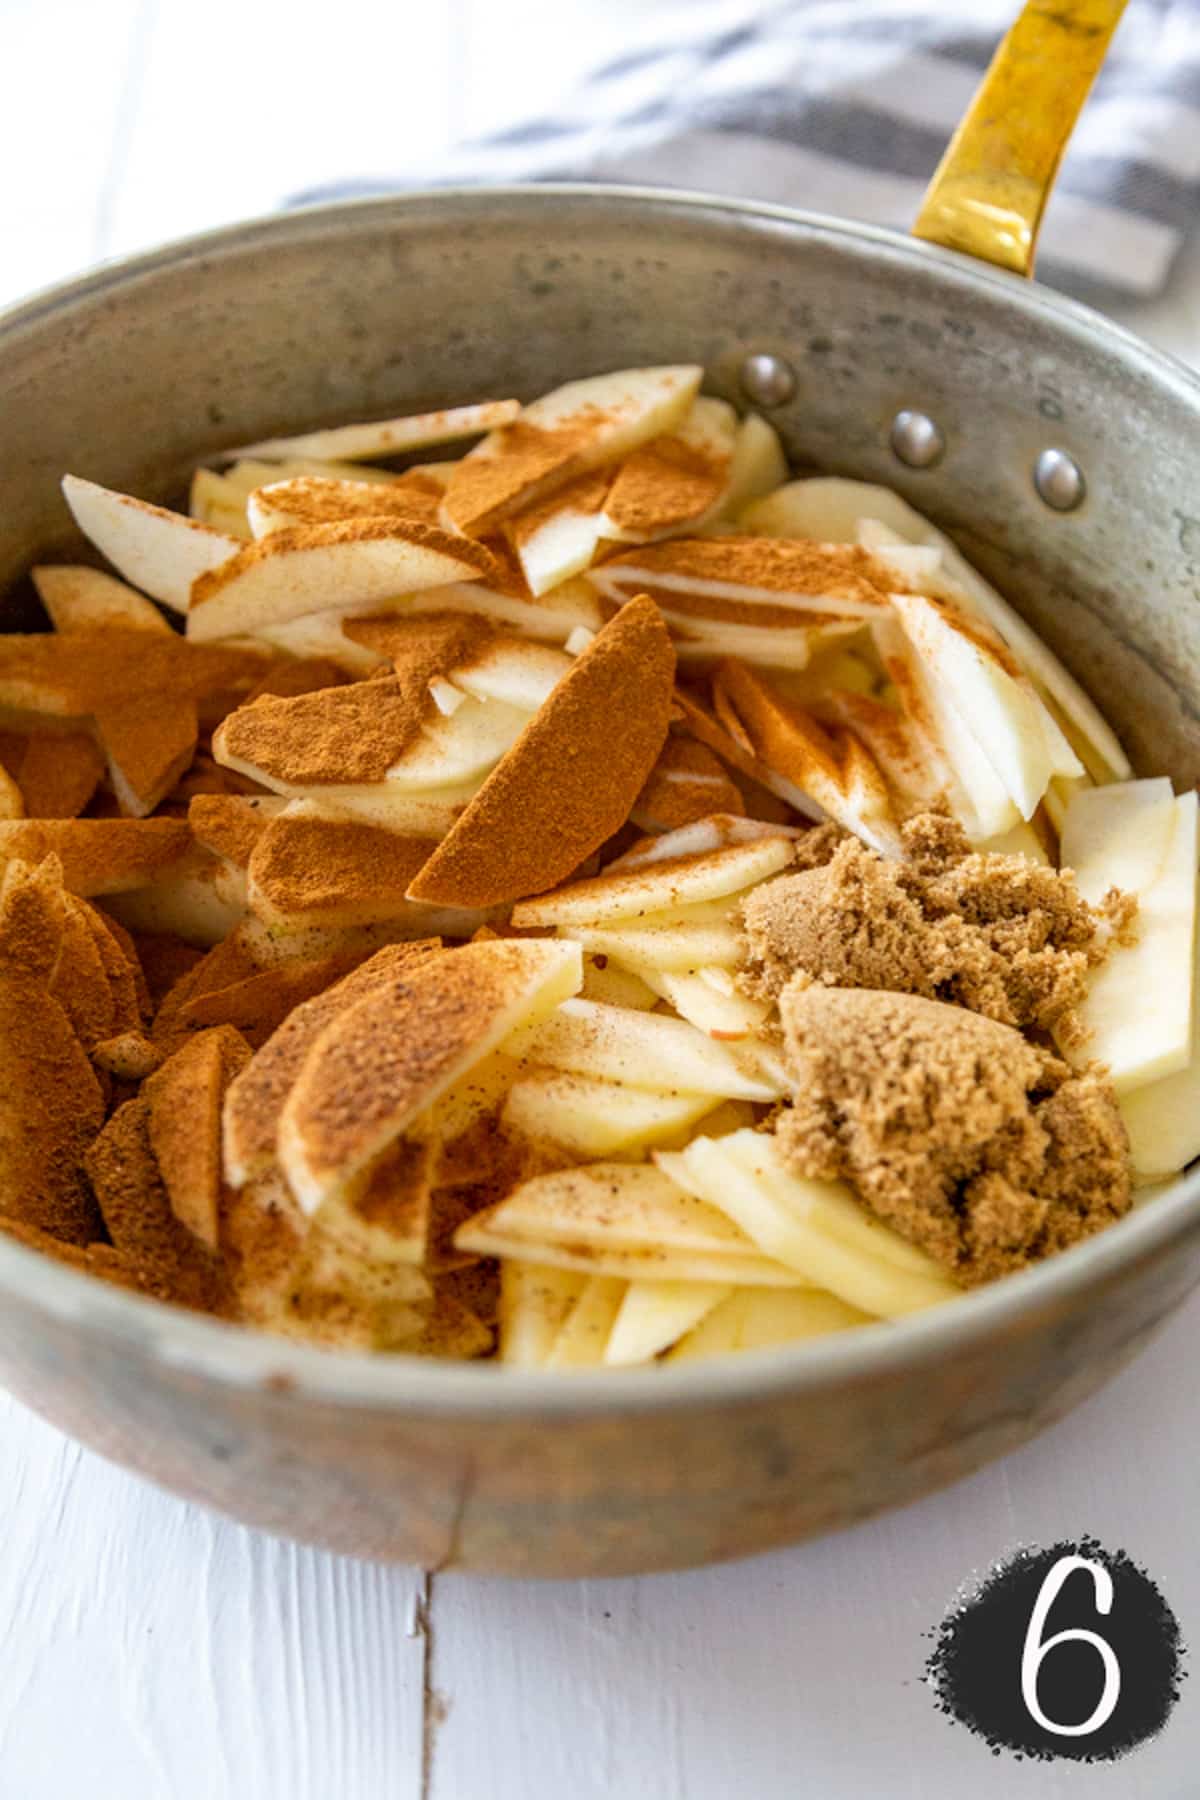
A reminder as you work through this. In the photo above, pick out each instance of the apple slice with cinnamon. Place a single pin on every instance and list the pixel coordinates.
(571, 777)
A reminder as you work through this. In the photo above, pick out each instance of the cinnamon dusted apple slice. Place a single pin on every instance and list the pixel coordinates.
(676, 480)
(142, 690)
(570, 778)
(311, 500)
(386, 437)
(51, 1107)
(184, 1099)
(626, 1220)
(710, 861)
(355, 736)
(309, 870)
(160, 552)
(418, 1037)
(556, 538)
(720, 581)
(804, 761)
(573, 429)
(56, 773)
(256, 1098)
(551, 620)
(81, 599)
(169, 1259)
(687, 783)
(99, 856)
(834, 510)
(356, 564)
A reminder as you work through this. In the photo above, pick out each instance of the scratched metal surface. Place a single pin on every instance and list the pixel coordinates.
(152, 1652)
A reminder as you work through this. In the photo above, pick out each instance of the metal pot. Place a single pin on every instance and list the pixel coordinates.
(132, 373)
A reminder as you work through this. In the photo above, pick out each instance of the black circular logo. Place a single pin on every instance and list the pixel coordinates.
(1066, 1652)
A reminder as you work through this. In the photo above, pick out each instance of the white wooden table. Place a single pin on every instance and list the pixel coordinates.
(152, 1652)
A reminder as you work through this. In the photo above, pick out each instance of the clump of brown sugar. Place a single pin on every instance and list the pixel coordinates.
(1000, 935)
(970, 1141)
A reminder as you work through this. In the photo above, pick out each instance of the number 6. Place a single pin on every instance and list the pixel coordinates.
(1035, 1649)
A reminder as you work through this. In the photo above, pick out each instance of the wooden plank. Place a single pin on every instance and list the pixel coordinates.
(156, 1652)
(798, 1676)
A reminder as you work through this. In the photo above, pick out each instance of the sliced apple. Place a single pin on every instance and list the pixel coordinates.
(1163, 1117)
(534, 1302)
(82, 599)
(570, 605)
(511, 671)
(675, 481)
(831, 509)
(637, 1049)
(560, 791)
(993, 699)
(161, 552)
(197, 897)
(678, 939)
(99, 856)
(978, 798)
(758, 465)
(557, 537)
(449, 1013)
(679, 877)
(628, 1220)
(385, 437)
(569, 431)
(1138, 1011)
(311, 500)
(712, 583)
(309, 870)
(814, 1227)
(653, 1315)
(765, 1319)
(360, 563)
(256, 1098)
(589, 1117)
(608, 983)
(700, 997)
(801, 759)
(585, 1331)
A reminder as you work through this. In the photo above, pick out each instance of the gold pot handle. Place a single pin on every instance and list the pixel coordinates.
(992, 184)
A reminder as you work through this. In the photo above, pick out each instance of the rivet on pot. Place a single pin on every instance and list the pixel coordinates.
(917, 439)
(1059, 480)
(767, 380)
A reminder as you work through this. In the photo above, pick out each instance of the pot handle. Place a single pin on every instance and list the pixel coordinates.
(992, 184)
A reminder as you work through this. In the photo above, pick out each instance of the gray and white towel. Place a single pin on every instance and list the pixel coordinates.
(845, 106)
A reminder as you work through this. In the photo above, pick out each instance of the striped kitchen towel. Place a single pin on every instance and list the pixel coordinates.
(845, 106)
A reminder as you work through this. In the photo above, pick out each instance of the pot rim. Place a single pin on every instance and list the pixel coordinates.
(246, 1357)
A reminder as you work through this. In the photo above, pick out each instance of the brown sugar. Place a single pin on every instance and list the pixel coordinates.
(1003, 936)
(971, 1142)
